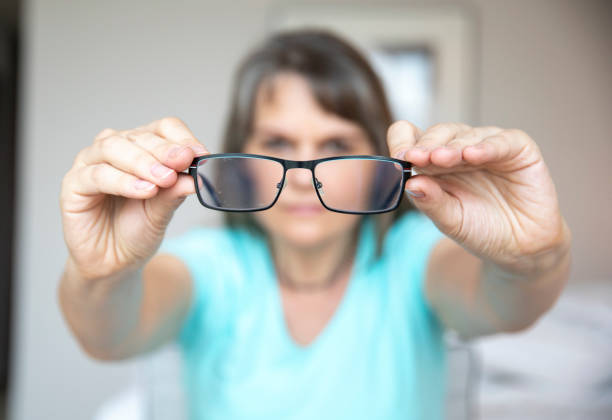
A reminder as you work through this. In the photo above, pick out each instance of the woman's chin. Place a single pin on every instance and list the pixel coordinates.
(307, 231)
(303, 234)
(309, 236)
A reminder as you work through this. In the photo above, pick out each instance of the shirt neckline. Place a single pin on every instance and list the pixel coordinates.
(362, 255)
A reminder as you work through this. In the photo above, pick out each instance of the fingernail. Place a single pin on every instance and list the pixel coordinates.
(401, 154)
(174, 152)
(141, 184)
(160, 170)
(198, 149)
(415, 194)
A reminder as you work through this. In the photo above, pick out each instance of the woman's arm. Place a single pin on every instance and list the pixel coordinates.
(474, 297)
(127, 314)
(489, 191)
(116, 202)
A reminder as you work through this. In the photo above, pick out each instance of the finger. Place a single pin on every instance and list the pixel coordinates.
(509, 147)
(401, 136)
(105, 133)
(434, 137)
(441, 134)
(430, 198)
(162, 206)
(175, 130)
(473, 136)
(175, 156)
(126, 156)
(450, 155)
(103, 178)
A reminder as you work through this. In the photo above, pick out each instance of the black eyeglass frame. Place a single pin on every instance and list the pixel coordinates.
(306, 164)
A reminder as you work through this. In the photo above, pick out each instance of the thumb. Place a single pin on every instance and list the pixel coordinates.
(431, 199)
(401, 136)
(167, 200)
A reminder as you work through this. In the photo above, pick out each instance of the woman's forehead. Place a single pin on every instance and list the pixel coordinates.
(286, 102)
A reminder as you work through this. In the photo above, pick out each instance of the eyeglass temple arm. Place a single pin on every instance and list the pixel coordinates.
(210, 189)
(388, 199)
(392, 193)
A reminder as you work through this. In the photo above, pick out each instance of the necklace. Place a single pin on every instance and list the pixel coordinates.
(284, 279)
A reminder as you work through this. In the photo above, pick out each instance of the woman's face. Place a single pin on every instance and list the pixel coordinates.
(290, 124)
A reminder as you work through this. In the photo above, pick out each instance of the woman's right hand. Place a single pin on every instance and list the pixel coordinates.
(121, 192)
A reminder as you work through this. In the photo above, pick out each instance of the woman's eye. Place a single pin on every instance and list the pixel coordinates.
(275, 143)
(337, 145)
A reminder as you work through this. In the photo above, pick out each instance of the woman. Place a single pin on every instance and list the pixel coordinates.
(297, 311)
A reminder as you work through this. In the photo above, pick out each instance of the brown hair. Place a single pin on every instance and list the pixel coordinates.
(342, 81)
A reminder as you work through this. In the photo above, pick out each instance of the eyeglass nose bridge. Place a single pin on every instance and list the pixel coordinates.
(294, 164)
(317, 184)
(299, 165)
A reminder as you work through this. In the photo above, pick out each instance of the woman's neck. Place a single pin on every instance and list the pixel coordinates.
(313, 268)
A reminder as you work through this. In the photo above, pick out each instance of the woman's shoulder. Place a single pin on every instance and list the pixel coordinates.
(211, 242)
(414, 224)
(411, 237)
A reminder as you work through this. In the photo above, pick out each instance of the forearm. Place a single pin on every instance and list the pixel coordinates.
(475, 297)
(514, 299)
(102, 313)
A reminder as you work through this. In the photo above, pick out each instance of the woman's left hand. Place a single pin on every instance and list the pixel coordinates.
(487, 188)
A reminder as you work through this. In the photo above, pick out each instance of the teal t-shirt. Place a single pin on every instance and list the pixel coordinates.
(380, 356)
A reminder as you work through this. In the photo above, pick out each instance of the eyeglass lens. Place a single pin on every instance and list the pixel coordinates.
(249, 183)
(359, 185)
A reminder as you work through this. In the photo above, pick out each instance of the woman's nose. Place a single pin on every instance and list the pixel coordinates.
(299, 178)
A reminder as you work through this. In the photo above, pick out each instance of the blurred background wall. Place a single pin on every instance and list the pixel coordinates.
(544, 66)
(9, 30)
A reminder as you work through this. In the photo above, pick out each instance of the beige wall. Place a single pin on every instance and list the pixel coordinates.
(544, 66)
(547, 68)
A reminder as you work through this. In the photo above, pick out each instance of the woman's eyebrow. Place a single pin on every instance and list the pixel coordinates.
(347, 135)
(269, 131)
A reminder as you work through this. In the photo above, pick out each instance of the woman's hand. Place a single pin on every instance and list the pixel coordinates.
(121, 192)
(487, 188)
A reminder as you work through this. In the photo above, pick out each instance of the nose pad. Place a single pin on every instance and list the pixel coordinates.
(299, 178)
(282, 184)
(318, 186)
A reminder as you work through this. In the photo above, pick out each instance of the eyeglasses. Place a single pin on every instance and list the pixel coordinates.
(241, 182)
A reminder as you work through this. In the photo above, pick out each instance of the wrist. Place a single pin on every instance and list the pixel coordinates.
(548, 258)
(94, 272)
(85, 282)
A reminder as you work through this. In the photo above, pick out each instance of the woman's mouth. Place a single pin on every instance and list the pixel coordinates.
(305, 209)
